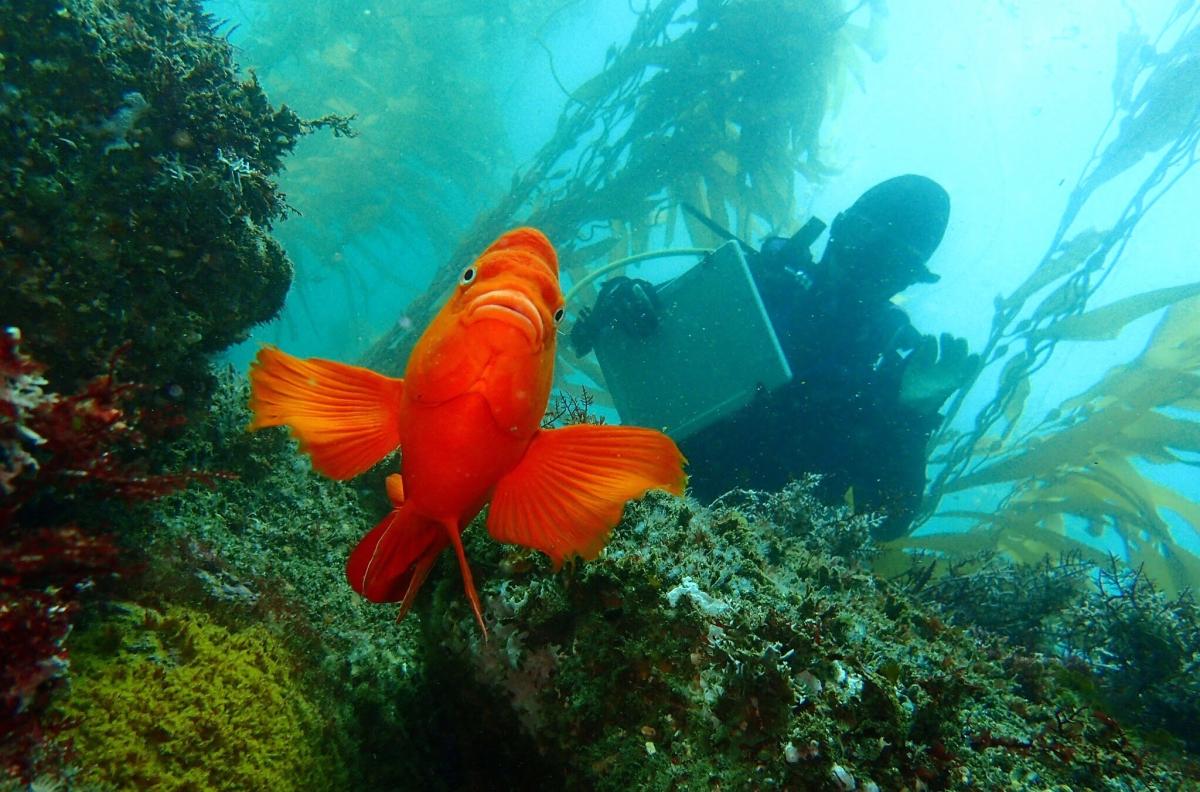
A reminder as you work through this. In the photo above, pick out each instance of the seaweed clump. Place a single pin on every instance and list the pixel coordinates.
(172, 700)
(747, 646)
(60, 460)
(137, 192)
(269, 547)
(1125, 644)
(1143, 648)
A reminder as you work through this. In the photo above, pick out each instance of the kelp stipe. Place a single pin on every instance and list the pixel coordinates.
(1085, 463)
(635, 140)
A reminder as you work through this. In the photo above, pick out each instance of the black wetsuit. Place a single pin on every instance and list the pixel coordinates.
(840, 416)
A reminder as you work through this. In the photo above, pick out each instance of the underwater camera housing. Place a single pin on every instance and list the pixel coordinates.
(713, 350)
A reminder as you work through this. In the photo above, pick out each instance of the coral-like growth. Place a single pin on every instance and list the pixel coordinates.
(750, 648)
(172, 700)
(51, 448)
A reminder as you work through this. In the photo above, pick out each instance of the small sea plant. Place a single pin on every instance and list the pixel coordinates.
(60, 455)
(1125, 645)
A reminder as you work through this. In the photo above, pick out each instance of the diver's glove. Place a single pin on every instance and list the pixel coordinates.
(929, 380)
(630, 304)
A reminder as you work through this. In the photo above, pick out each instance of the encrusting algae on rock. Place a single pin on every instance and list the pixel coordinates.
(172, 700)
(748, 646)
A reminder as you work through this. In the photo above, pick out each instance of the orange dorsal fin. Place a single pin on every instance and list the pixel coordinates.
(391, 562)
(569, 490)
(346, 418)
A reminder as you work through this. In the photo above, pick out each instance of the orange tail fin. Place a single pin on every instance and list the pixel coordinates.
(568, 492)
(346, 418)
(391, 561)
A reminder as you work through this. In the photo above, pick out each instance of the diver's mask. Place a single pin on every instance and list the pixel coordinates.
(866, 251)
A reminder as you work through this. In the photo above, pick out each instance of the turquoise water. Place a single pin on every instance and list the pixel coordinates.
(987, 588)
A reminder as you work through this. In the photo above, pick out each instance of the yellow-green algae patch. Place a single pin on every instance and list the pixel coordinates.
(173, 700)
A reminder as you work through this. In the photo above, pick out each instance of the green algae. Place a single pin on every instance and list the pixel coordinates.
(268, 545)
(172, 700)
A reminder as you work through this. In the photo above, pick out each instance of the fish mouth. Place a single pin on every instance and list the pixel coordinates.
(511, 306)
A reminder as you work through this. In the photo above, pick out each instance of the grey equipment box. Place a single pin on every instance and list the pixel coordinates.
(713, 349)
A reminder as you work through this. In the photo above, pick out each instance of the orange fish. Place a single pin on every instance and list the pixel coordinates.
(468, 415)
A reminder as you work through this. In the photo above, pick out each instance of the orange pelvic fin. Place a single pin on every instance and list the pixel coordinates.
(468, 581)
(568, 492)
(395, 489)
(391, 562)
(346, 418)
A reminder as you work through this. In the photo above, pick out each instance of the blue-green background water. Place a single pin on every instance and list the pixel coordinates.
(1001, 102)
(207, 637)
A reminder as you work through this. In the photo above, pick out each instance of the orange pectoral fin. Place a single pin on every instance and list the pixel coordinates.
(572, 485)
(346, 418)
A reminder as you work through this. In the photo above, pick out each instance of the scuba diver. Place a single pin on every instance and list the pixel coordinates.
(866, 388)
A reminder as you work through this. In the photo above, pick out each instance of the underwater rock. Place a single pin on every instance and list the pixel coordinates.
(747, 645)
(269, 547)
(137, 192)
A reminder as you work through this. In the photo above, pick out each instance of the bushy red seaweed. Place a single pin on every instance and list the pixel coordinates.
(57, 454)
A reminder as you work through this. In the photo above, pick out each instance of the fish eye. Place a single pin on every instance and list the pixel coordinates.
(559, 314)
(467, 276)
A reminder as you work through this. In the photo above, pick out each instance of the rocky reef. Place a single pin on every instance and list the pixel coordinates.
(137, 190)
(136, 196)
(745, 645)
(749, 646)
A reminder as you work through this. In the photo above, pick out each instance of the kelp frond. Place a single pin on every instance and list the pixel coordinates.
(640, 138)
(1084, 473)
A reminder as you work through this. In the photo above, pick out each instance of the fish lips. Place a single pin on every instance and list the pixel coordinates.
(511, 307)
